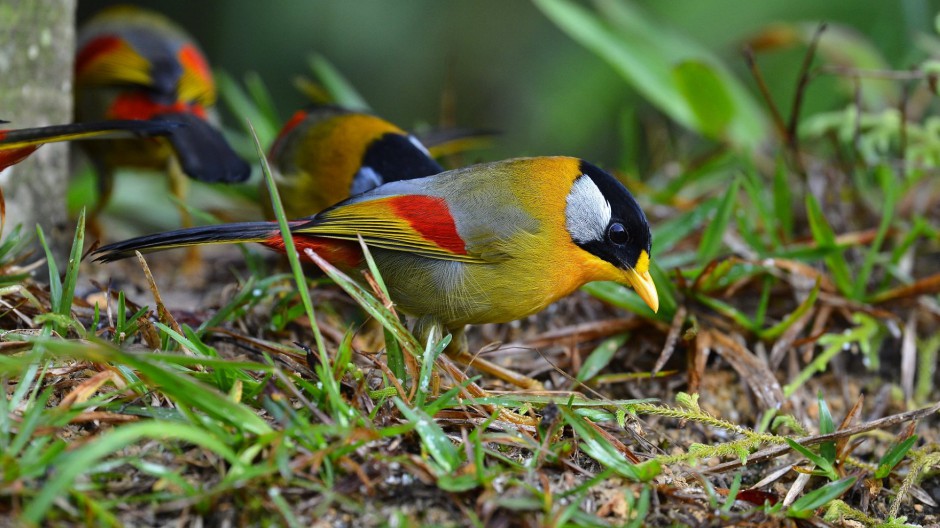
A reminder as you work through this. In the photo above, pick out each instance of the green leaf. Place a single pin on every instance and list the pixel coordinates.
(74, 463)
(759, 212)
(262, 99)
(607, 455)
(329, 382)
(707, 95)
(433, 439)
(176, 384)
(457, 483)
(894, 456)
(711, 239)
(732, 493)
(783, 200)
(776, 330)
(643, 51)
(669, 233)
(805, 506)
(342, 91)
(600, 357)
(395, 358)
(194, 346)
(821, 462)
(826, 426)
(246, 110)
(284, 508)
(71, 269)
(55, 282)
(826, 238)
(431, 351)
(890, 194)
(727, 310)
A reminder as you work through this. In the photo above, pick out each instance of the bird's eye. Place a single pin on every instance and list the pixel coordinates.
(618, 234)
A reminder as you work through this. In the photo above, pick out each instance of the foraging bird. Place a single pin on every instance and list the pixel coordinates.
(137, 64)
(16, 145)
(325, 154)
(484, 244)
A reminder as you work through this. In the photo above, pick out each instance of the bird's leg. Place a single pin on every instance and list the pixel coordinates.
(105, 183)
(179, 187)
(458, 350)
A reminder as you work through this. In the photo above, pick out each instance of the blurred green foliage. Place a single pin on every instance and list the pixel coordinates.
(509, 67)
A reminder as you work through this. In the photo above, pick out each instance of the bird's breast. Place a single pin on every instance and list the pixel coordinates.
(458, 293)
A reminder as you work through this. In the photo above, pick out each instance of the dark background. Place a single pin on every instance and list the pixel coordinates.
(509, 66)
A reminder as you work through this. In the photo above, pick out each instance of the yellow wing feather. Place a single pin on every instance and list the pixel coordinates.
(382, 224)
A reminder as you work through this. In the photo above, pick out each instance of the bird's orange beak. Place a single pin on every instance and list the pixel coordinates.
(641, 281)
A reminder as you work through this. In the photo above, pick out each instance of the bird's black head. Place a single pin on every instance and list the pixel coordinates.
(604, 219)
(393, 157)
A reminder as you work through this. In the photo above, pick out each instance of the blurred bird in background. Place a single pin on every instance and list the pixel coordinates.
(325, 154)
(134, 64)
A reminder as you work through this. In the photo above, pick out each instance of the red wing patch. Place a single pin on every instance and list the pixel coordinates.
(340, 253)
(430, 217)
(136, 105)
(94, 49)
(192, 60)
(295, 120)
(13, 156)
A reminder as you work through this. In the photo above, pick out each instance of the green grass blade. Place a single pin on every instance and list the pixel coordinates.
(783, 200)
(263, 101)
(890, 193)
(826, 426)
(826, 238)
(371, 305)
(804, 507)
(778, 329)
(643, 51)
(34, 416)
(598, 448)
(894, 456)
(600, 357)
(76, 462)
(821, 462)
(754, 186)
(433, 439)
(176, 384)
(71, 269)
(342, 91)
(669, 233)
(395, 357)
(714, 232)
(55, 282)
(249, 113)
(284, 508)
(277, 206)
(432, 350)
(707, 95)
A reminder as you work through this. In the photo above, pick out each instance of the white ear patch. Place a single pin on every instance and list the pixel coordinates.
(587, 212)
(365, 179)
(418, 145)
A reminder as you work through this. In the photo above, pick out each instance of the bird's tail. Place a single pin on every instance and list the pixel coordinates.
(28, 137)
(194, 236)
(203, 153)
(16, 145)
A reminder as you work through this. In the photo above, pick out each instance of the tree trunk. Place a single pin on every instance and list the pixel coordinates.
(36, 55)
